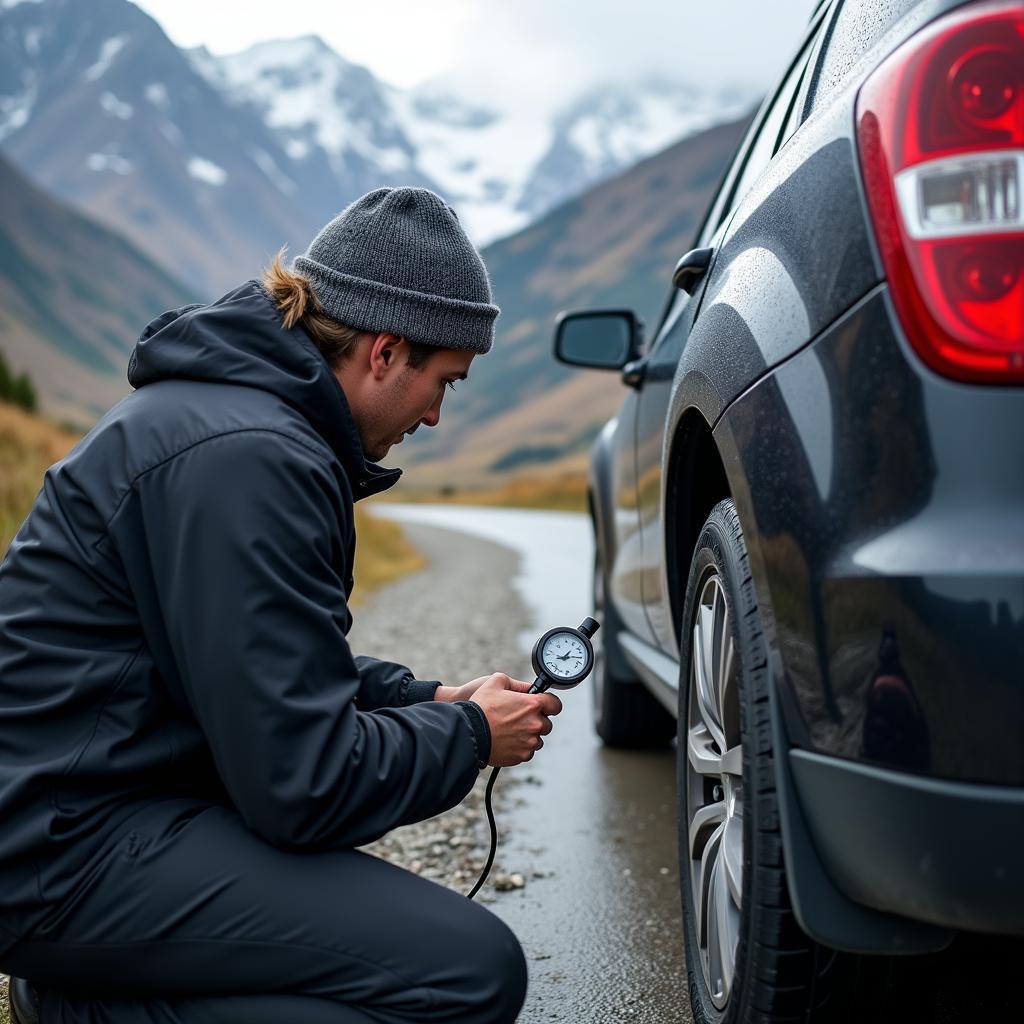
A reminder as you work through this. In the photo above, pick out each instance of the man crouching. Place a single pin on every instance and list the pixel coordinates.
(189, 750)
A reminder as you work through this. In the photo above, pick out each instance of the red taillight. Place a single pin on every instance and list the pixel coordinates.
(940, 125)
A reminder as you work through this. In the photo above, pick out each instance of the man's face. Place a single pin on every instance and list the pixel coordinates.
(403, 398)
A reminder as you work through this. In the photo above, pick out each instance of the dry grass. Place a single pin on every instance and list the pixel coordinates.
(383, 554)
(28, 446)
(564, 494)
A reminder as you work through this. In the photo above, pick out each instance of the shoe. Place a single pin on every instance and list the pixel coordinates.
(22, 1002)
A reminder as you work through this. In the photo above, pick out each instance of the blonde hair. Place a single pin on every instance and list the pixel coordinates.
(297, 303)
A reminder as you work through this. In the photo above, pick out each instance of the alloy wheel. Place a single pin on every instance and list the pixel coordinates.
(714, 778)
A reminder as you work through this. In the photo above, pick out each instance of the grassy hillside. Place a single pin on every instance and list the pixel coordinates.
(28, 445)
(615, 246)
(74, 298)
(383, 554)
(564, 493)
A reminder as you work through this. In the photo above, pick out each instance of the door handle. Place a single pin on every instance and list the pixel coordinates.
(691, 268)
(633, 373)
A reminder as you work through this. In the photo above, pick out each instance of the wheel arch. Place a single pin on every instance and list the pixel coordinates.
(695, 482)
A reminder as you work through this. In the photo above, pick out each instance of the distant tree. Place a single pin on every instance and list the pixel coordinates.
(23, 393)
(17, 390)
(5, 379)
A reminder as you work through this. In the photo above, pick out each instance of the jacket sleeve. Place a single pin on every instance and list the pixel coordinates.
(247, 555)
(386, 684)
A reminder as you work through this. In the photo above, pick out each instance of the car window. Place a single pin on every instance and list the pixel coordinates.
(858, 25)
(768, 137)
(799, 108)
(752, 145)
(767, 133)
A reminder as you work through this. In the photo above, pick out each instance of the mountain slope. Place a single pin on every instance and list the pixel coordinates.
(99, 107)
(615, 246)
(73, 299)
(209, 164)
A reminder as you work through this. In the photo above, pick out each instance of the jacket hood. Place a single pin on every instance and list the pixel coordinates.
(239, 339)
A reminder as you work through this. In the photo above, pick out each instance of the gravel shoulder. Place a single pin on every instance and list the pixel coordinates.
(585, 872)
(456, 619)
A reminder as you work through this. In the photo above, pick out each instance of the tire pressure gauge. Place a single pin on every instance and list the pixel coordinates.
(563, 656)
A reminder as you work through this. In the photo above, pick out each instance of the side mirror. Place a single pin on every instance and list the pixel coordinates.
(602, 339)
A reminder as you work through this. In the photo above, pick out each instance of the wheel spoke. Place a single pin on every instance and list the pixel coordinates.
(708, 816)
(731, 762)
(728, 700)
(704, 682)
(732, 858)
(721, 637)
(727, 662)
(722, 943)
(707, 658)
(703, 751)
(714, 948)
(708, 859)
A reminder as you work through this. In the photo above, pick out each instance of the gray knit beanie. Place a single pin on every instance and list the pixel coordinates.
(397, 260)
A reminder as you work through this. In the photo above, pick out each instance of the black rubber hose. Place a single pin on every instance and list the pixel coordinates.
(494, 835)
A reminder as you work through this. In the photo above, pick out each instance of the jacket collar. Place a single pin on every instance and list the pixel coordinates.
(340, 430)
(240, 338)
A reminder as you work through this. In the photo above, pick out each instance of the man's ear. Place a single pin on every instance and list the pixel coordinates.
(385, 352)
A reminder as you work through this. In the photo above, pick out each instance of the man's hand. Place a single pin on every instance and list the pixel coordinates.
(450, 694)
(517, 719)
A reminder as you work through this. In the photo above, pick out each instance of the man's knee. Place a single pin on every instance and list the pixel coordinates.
(495, 969)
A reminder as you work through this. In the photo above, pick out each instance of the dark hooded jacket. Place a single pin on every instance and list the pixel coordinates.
(173, 620)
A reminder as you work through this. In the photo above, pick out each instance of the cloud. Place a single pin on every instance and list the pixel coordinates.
(531, 51)
(544, 53)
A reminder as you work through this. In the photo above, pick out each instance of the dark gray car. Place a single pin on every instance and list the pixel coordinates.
(809, 514)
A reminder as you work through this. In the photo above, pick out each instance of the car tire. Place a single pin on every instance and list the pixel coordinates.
(747, 958)
(626, 715)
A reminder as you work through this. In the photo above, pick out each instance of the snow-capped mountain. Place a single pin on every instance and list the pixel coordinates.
(210, 163)
(501, 168)
(611, 128)
(333, 119)
(98, 106)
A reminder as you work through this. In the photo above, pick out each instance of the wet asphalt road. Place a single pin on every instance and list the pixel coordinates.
(593, 830)
(601, 929)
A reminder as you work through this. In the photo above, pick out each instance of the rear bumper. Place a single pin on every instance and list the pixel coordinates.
(949, 854)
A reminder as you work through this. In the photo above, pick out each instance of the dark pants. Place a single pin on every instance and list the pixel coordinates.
(195, 919)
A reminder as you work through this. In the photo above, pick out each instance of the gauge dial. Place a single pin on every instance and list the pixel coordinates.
(563, 655)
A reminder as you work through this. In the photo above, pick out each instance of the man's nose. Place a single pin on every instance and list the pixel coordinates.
(433, 414)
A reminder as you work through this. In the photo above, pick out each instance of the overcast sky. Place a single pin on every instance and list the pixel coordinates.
(526, 48)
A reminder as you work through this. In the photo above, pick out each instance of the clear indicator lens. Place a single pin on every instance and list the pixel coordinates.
(981, 193)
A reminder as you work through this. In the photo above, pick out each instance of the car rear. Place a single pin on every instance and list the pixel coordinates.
(885, 511)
